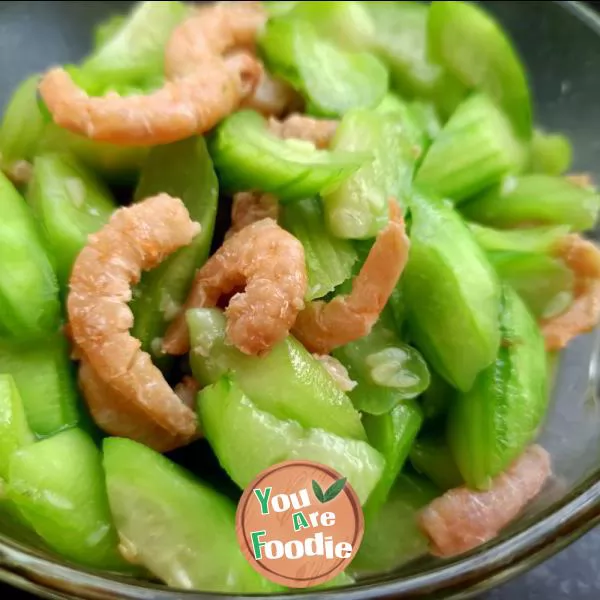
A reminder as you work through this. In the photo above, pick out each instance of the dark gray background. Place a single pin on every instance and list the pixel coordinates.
(573, 574)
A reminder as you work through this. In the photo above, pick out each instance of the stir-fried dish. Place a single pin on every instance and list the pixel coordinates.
(241, 233)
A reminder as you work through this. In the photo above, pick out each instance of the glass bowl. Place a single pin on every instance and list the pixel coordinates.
(560, 43)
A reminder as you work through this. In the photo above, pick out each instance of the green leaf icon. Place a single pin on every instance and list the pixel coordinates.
(318, 491)
(335, 489)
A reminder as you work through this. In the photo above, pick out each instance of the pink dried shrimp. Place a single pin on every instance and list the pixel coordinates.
(121, 377)
(321, 326)
(462, 519)
(583, 258)
(272, 97)
(250, 207)
(300, 127)
(269, 263)
(209, 73)
(117, 415)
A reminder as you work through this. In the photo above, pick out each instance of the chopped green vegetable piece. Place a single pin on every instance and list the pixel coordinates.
(342, 580)
(401, 42)
(276, 45)
(401, 151)
(468, 42)
(359, 207)
(393, 537)
(387, 370)
(29, 303)
(15, 527)
(331, 79)
(533, 239)
(391, 102)
(14, 430)
(475, 149)
(118, 164)
(28, 130)
(45, 379)
(425, 114)
(89, 84)
(535, 200)
(134, 53)
(178, 527)
(58, 487)
(436, 399)
(22, 124)
(396, 309)
(248, 440)
(447, 95)
(414, 129)
(392, 435)
(71, 203)
(490, 426)
(410, 122)
(228, 419)
(431, 456)
(452, 294)
(545, 284)
(288, 382)
(550, 153)
(248, 156)
(356, 460)
(278, 8)
(329, 260)
(184, 170)
(347, 24)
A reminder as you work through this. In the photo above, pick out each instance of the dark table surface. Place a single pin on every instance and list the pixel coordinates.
(573, 574)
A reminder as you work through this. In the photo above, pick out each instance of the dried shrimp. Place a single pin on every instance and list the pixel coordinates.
(462, 519)
(250, 207)
(272, 97)
(301, 127)
(583, 258)
(321, 326)
(269, 263)
(209, 73)
(136, 238)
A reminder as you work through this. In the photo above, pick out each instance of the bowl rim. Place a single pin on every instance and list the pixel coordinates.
(469, 574)
(462, 577)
